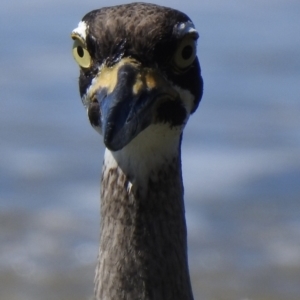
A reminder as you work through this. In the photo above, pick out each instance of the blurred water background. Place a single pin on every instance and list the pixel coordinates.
(241, 153)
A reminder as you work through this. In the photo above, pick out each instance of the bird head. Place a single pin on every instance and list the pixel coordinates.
(138, 67)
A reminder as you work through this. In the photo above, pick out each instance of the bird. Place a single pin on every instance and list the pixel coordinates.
(139, 81)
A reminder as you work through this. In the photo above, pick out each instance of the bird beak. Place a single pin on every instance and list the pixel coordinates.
(123, 100)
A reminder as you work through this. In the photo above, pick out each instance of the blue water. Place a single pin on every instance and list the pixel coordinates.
(241, 153)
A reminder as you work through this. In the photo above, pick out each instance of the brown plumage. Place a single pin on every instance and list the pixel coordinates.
(143, 236)
(140, 80)
(141, 26)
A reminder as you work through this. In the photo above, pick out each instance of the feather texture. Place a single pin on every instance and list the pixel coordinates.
(143, 247)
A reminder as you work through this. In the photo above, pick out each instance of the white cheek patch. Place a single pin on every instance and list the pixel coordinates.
(148, 151)
(86, 97)
(186, 97)
(81, 30)
(185, 28)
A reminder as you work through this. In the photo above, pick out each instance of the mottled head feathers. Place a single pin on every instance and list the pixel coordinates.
(147, 54)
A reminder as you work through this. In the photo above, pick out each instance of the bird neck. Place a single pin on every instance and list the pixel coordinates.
(143, 246)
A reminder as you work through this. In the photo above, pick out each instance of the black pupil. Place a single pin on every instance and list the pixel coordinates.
(80, 51)
(187, 52)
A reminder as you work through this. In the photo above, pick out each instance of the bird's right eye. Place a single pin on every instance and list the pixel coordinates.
(81, 54)
(185, 53)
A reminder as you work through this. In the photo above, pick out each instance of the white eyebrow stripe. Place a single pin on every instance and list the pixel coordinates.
(81, 29)
(185, 28)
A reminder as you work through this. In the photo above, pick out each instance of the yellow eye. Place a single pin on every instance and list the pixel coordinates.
(185, 53)
(81, 54)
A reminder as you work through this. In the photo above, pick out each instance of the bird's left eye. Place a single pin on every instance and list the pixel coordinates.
(81, 54)
(185, 53)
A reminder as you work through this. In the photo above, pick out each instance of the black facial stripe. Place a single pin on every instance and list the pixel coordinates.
(85, 78)
(85, 81)
(190, 80)
(171, 112)
(94, 113)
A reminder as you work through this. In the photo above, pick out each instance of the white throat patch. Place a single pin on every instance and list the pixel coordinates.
(146, 153)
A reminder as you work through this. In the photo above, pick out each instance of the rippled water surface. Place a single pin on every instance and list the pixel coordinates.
(241, 154)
